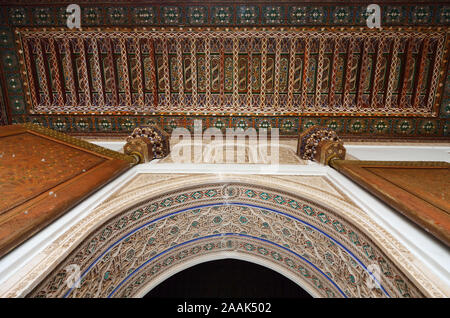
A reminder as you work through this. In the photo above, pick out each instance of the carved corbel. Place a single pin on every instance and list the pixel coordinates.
(140, 148)
(148, 143)
(320, 144)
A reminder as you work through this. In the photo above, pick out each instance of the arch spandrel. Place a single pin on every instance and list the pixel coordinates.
(312, 236)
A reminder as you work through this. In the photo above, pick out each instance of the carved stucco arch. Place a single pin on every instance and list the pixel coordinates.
(239, 193)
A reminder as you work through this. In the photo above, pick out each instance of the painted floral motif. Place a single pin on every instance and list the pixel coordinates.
(42, 16)
(18, 104)
(222, 15)
(403, 126)
(361, 15)
(335, 124)
(309, 122)
(104, 124)
(342, 15)
(61, 16)
(13, 83)
(393, 14)
(144, 15)
(421, 14)
(5, 38)
(357, 125)
(17, 16)
(91, 16)
(197, 15)
(9, 61)
(428, 127)
(247, 14)
(298, 15)
(171, 15)
(317, 15)
(444, 15)
(117, 15)
(380, 126)
(272, 15)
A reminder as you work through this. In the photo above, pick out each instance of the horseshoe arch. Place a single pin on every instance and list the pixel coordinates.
(316, 240)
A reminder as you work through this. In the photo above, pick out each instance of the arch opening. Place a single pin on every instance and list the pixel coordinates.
(227, 278)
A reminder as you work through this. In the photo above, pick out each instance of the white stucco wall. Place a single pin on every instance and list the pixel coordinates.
(364, 151)
(405, 152)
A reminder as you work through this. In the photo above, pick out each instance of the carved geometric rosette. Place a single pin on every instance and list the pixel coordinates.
(320, 144)
(148, 142)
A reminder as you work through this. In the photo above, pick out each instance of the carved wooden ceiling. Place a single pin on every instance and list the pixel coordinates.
(260, 64)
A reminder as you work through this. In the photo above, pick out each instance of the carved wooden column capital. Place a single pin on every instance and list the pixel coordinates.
(147, 143)
(320, 144)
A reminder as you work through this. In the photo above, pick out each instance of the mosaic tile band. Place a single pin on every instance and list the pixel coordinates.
(219, 13)
(359, 128)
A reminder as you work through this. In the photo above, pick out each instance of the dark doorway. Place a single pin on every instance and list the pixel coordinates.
(227, 278)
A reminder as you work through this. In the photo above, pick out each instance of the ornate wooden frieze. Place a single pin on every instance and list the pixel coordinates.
(242, 72)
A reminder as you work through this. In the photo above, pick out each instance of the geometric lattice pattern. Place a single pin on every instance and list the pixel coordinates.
(285, 72)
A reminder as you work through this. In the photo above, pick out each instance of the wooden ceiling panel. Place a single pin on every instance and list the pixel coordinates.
(43, 174)
(419, 190)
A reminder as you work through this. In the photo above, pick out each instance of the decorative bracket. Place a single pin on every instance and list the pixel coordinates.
(320, 144)
(147, 143)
